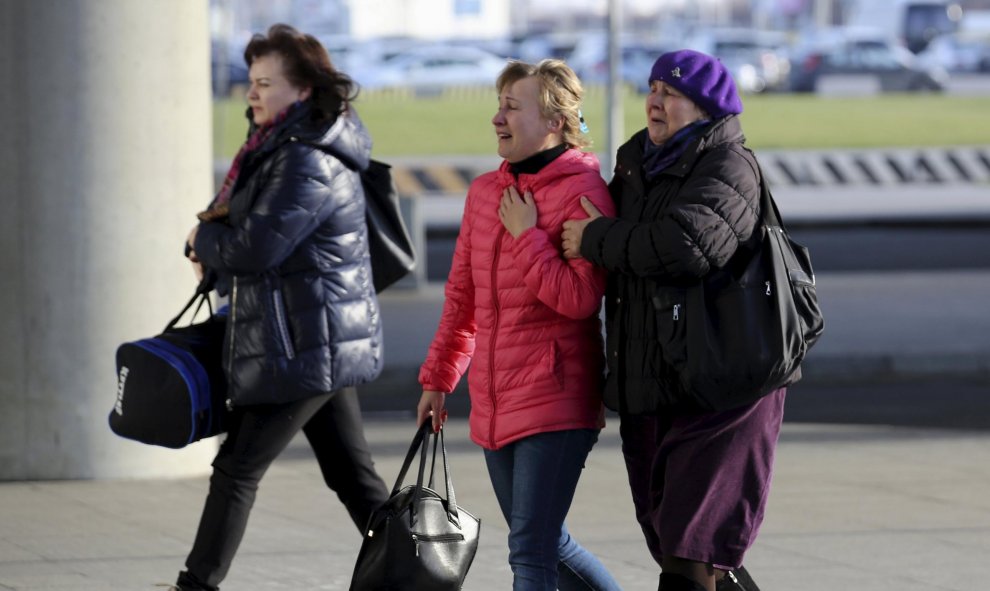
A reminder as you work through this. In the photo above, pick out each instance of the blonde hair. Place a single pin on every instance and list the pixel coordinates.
(560, 94)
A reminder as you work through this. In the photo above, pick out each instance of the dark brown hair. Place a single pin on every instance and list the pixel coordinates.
(307, 64)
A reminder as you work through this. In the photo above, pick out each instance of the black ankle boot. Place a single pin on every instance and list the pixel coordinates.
(737, 579)
(675, 582)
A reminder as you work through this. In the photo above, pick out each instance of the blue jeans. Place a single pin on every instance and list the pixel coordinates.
(534, 480)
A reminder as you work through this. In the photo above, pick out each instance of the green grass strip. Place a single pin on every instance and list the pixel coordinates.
(458, 121)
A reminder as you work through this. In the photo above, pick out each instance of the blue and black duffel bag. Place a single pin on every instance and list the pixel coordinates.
(171, 389)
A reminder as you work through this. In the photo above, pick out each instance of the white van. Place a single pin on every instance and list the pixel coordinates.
(913, 23)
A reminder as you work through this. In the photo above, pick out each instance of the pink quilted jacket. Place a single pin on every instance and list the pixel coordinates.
(521, 315)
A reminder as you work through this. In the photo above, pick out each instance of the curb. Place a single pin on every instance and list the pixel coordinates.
(396, 391)
(886, 368)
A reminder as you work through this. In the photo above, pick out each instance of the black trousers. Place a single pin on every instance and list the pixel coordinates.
(257, 435)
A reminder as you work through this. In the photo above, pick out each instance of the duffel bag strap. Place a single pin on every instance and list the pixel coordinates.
(202, 293)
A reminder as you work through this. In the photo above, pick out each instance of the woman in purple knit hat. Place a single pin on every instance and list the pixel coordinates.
(687, 193)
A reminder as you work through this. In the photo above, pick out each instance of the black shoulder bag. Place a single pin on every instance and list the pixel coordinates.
(392, 253)
(743, 331)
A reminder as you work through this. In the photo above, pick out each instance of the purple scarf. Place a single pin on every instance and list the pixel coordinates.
(658, 157)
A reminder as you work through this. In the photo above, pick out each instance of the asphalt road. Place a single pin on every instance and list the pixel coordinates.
(938, 404)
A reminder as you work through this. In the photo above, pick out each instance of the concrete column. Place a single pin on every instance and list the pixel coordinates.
(105, 158)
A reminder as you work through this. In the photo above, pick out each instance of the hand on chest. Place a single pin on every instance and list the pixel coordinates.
(521, 205)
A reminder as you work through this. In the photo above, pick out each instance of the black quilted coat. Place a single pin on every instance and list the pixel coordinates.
(687, 223)
(293, 258)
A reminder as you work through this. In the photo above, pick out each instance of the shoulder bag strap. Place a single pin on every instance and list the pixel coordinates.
(768, 207)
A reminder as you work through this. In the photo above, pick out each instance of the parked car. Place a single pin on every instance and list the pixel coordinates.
(913, 23)
(429, 69)
(957, 52)
(637, 62)
(342, 50)
(862, 64)
(536, 46)
(758, 60)
(589, 60)
(227, 68)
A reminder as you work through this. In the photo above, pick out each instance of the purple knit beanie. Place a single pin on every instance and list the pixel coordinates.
(702, 78)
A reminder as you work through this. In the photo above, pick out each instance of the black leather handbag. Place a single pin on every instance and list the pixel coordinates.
(418, 540)
(744, 330)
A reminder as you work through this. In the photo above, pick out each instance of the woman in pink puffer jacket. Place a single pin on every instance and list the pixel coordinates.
(526, 320)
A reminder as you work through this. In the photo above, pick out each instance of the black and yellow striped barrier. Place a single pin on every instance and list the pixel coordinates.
(417, 176)
(417, 180)
(793, 168)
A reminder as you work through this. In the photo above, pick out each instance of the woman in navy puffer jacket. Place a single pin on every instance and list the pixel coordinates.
(287, 239)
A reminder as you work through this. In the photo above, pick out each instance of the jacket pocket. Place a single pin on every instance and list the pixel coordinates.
(671, 325)
(552, 366)
(281, 325)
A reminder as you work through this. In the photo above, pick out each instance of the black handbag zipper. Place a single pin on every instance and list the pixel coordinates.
(441, 538)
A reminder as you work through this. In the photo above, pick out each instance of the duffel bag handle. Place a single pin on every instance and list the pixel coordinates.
(202, 293)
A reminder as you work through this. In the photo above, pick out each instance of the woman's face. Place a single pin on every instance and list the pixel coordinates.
(521, 129)
(668, 111)
(270, 91)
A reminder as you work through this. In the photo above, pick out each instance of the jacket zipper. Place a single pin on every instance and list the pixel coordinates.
(280, 325)
(494, 338)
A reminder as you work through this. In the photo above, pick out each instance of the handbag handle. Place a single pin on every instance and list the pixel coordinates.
(419, 444)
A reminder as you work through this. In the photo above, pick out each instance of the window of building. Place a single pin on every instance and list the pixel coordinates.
(467, 7)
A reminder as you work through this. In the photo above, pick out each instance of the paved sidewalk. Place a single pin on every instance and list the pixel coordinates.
(871, 508)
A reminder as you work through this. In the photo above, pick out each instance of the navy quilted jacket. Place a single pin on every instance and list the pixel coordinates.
(293, 257)
(686, 224)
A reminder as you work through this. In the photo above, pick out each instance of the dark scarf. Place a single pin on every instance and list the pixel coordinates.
(536, 162)
(657, 158)
(220, 205)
